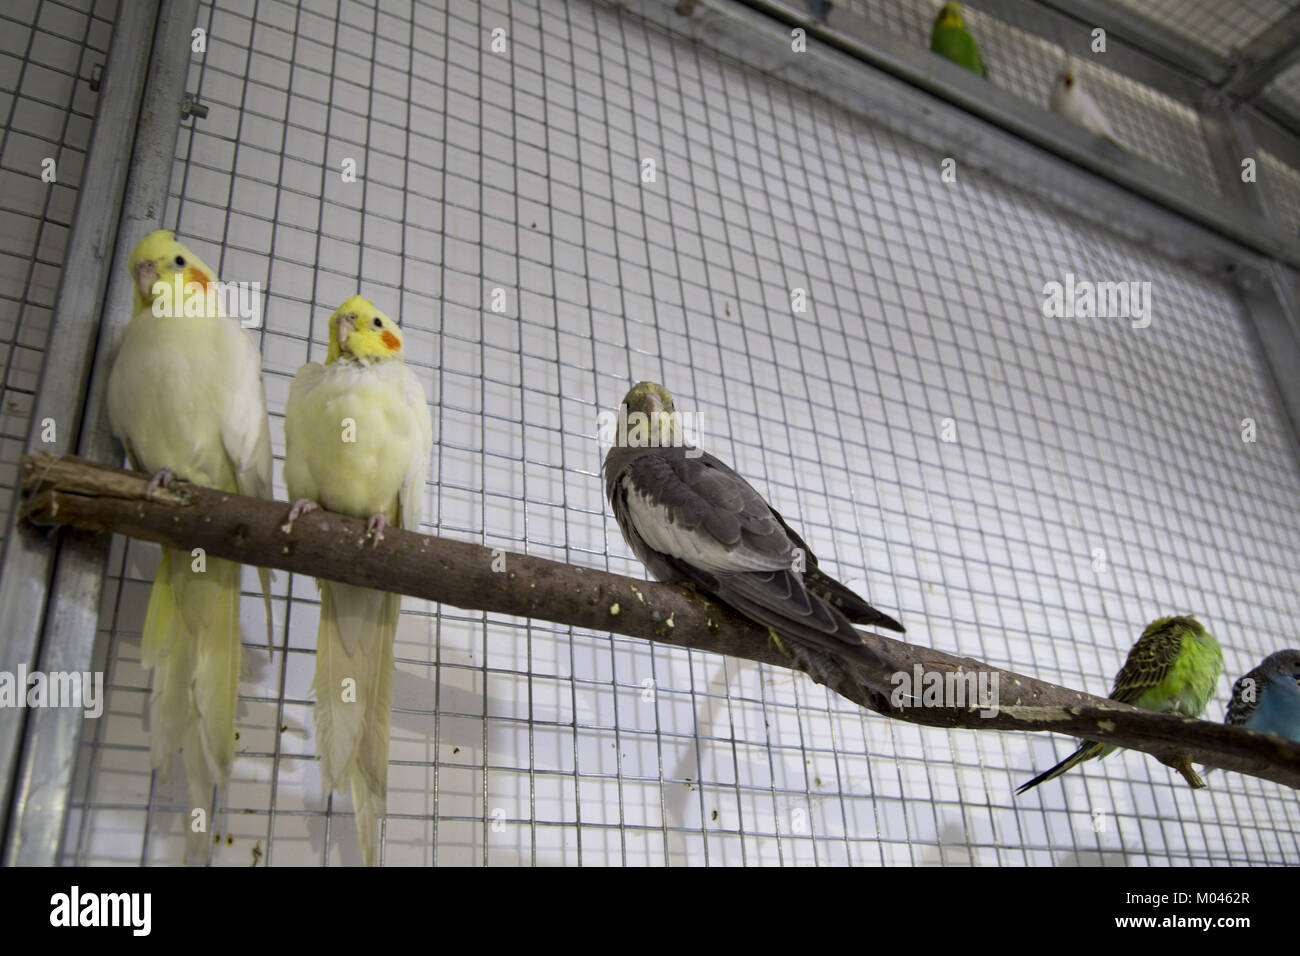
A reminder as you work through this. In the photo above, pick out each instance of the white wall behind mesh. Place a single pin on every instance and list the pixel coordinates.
(521, 741)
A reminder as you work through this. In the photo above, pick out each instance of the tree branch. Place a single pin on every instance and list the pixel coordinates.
(78, 493)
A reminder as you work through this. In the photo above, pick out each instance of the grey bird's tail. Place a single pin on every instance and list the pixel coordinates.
(846, 602)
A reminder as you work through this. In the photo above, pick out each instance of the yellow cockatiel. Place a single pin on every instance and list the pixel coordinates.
(357, 440)
(185, 397)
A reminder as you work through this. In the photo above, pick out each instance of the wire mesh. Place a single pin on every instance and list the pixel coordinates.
(1284, 188)
(1149, 123)
(518, 741)
(1285, 90)
(47, 51)
(1221, 26)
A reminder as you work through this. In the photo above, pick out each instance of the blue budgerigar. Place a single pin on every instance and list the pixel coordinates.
(1267, 698)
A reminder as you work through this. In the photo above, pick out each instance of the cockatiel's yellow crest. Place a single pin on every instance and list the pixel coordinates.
(185, 397)
(357, 440)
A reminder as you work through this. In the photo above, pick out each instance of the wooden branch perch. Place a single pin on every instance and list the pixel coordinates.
(82, 494)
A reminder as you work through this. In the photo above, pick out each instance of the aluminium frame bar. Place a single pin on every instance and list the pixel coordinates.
(39, 803)
(29, 557)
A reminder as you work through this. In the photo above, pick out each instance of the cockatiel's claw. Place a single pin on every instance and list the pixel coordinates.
(300, 507)
(375, 528)
(162, 478)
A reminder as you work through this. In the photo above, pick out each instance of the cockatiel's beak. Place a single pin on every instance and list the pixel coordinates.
(146, 274)
(653, 406)
(347, 325)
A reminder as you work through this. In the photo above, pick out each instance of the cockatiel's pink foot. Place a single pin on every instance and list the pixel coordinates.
(300, 507)
(162, 478)
(375, 528)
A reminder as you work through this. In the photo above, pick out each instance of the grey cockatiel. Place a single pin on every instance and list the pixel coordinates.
(692, 520)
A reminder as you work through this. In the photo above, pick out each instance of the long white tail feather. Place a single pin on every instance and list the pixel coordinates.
(191, 643)
(165, 651)
(355, 643)
(266, 577)
(370, 808)
(216, 670)
(198, 791)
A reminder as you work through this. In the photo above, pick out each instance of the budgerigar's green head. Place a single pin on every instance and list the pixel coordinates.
(950, 16)
(1182, 622)
(650, 398)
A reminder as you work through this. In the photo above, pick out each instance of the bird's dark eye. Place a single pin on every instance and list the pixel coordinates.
(378, 323)
(180, 262)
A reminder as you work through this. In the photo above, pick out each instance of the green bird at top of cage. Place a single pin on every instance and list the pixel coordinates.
(694, 521)
(951, 39)
(1172, 669)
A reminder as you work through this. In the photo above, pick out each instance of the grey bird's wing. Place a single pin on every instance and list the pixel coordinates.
(693, 519)
(846, 601)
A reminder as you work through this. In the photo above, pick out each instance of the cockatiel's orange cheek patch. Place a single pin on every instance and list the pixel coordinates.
(192, 274)
(390, 340)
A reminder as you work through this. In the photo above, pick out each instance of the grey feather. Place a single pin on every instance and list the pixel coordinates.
(718, 534)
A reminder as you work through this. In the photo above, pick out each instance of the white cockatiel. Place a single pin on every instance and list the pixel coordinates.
(1071, 100)
(185, 397)
(358, 435)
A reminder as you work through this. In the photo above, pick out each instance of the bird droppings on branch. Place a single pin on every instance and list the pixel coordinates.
(77, 493)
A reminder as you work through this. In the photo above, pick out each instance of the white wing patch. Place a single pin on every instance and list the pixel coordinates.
(245, 432)
(411, 497)
(654, 523)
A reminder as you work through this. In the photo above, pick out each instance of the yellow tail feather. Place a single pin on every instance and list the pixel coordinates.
(353, 687)
(191, 644)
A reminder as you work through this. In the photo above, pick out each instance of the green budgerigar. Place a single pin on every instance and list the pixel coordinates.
(1172, 669)
(951, 39)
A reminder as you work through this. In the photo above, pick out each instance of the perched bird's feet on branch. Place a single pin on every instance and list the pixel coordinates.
(300, 507)
(162, 478)
(1183, 764)
(375, 528)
